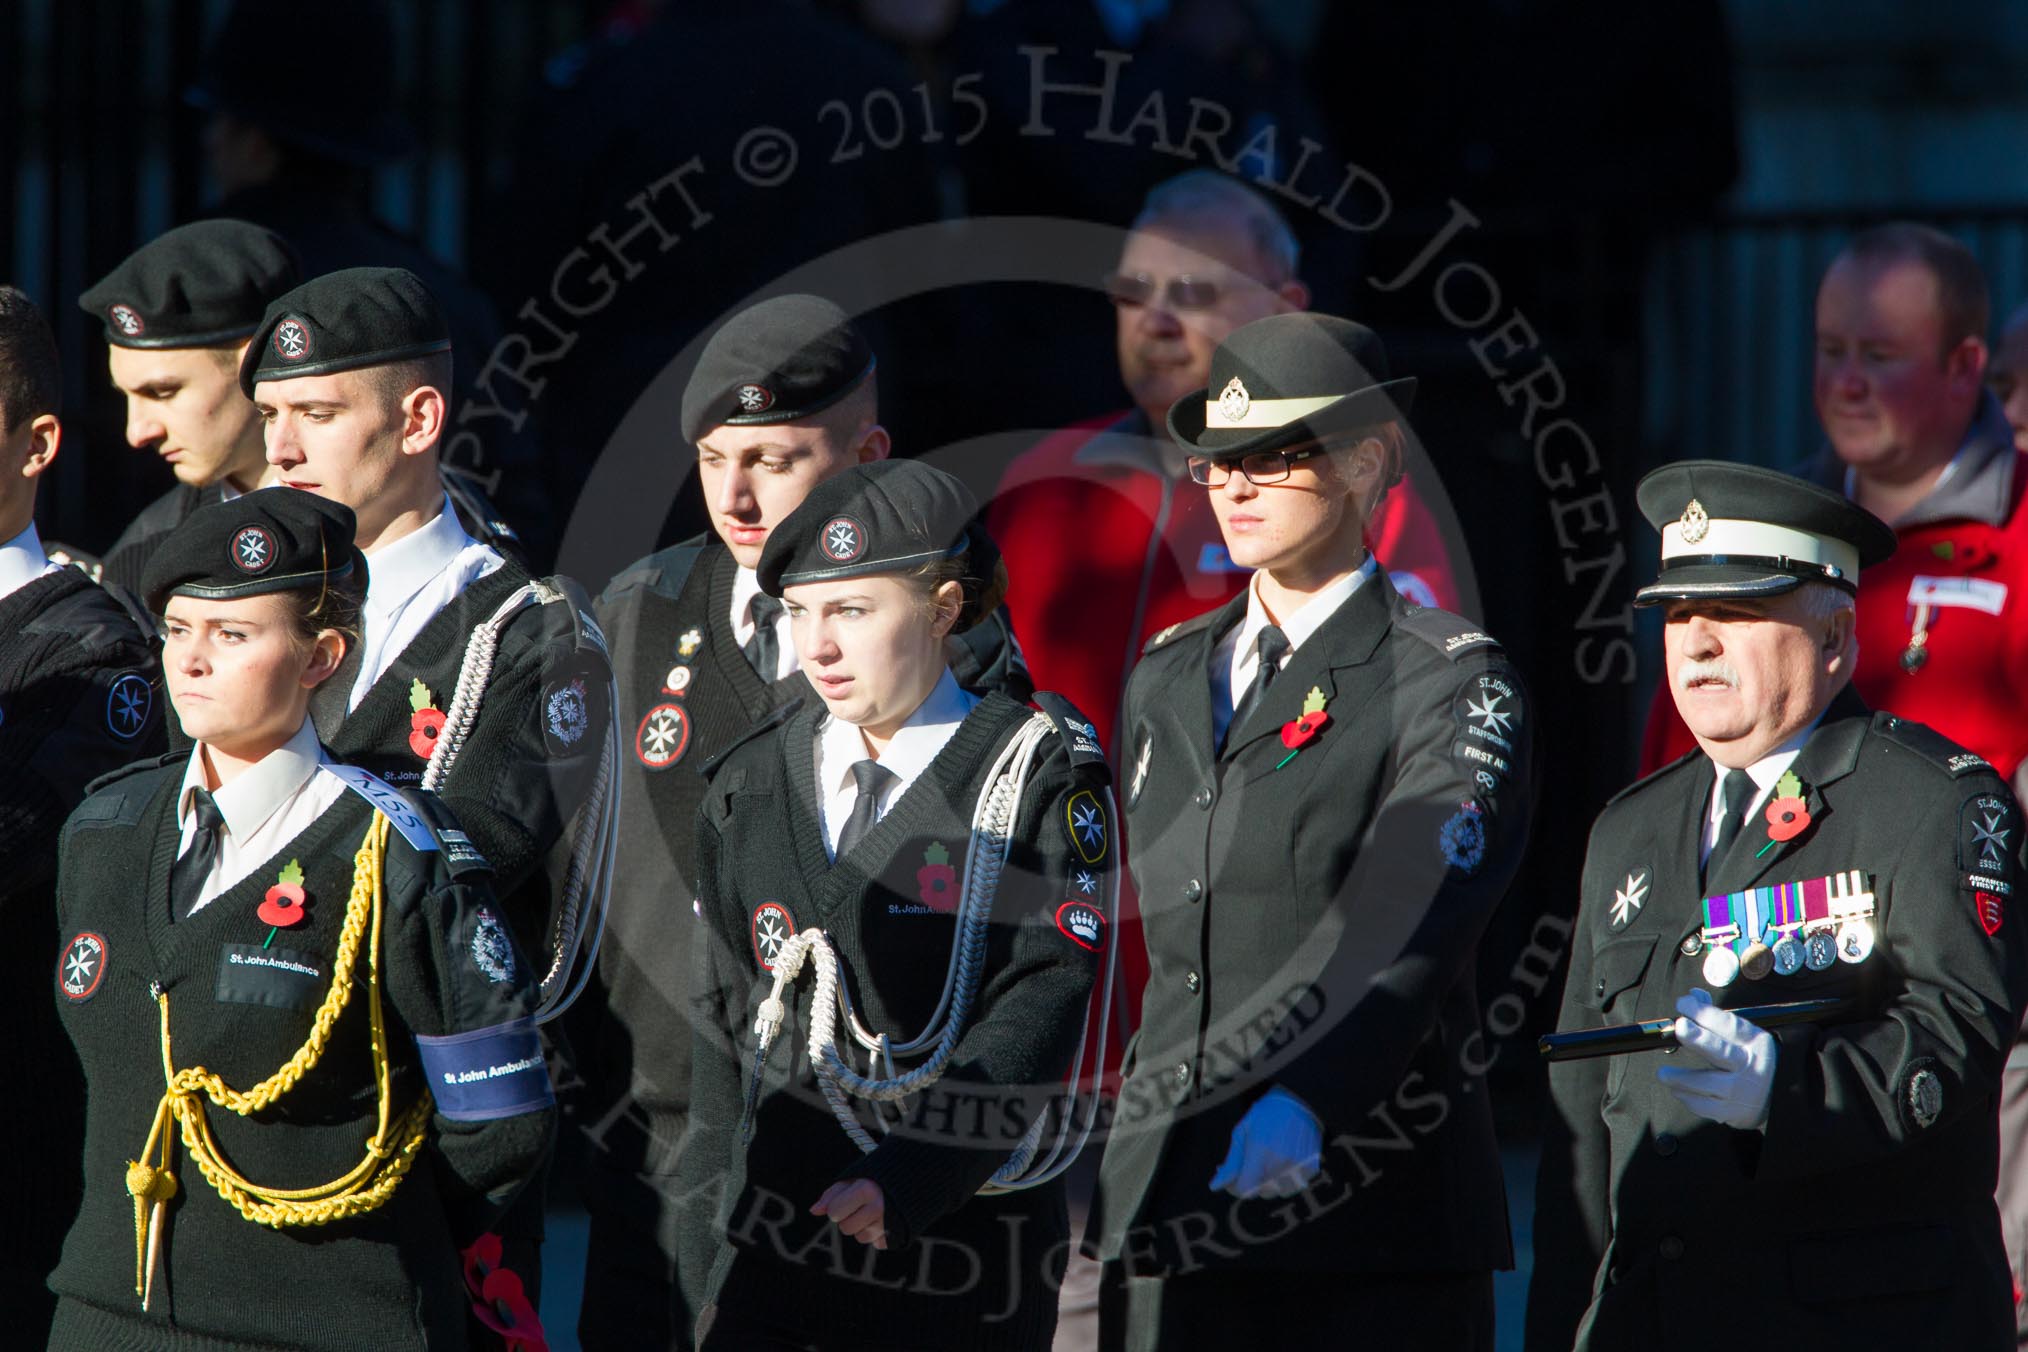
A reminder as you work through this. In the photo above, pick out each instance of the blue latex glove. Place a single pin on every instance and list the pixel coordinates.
(1277, 1149)
(1735, 1091)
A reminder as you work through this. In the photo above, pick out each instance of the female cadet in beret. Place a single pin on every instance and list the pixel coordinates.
(853, 815)
(311, 1073)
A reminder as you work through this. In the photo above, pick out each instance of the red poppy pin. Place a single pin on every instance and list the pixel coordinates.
(1788, 816)
(1298, 733)
(426, 723)
(937, 879)
(283, 906)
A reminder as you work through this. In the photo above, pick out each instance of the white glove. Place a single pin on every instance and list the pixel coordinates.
(1742, 1055)
(1277, 1148)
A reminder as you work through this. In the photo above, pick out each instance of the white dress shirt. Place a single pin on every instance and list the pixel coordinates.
(1765, 772)
(1234, 660)
(268, 805)
(22, 561)
(746, 586)
(407, 582)
(914, 745)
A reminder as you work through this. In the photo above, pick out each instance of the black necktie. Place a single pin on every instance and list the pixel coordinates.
(869, 777)
(1735, 792)
(764, 650)
(1271, 645)
(194, 865)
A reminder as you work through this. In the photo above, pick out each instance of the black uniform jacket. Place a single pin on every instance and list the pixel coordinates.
(687, 693)
(956, 1260)
(80, 694)
(241, 1005)
(1311, 922)
(531, 759)
(1863, 1214)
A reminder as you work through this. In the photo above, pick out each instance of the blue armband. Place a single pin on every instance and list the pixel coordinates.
(488, 1073)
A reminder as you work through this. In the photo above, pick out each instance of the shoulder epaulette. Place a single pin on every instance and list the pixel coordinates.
(768, 722)
(1164, 637)
(112, 777)
(461, 856)
(1653, 775)
(1931, 745)
(91, 616)
(1079, 734)
(1451, 635)
(663, 572)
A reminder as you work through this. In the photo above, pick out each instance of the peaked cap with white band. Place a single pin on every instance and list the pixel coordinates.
(1740, 530)
(1286, 380)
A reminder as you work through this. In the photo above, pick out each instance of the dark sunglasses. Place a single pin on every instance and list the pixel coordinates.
(1262, 467)
(1130, 290)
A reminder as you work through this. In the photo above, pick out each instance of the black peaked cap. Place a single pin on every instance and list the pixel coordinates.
(343, 321)
(199, 285)
(1286, 380)
(780, 361)
(270, 540)
(1742, 530)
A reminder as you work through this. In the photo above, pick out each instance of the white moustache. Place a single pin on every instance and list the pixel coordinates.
(1718, 669)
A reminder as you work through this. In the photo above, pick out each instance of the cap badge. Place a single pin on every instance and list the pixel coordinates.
(253, 549)
(292, 340)
(842, 539)
(126, 320)
(754, 398)
(1695, 523)
(1234, 401)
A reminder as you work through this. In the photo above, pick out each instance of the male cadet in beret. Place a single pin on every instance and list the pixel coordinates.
(78, 697)
(1820, 1184)
(350, 373)
(784, 397)
(1327, 790)
(178, 313)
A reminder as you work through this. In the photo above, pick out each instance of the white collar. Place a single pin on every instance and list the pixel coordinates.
(1769, 768)
(260, 790)
(914, 745)
(22, 561)
(1309, 618)
(397, 571)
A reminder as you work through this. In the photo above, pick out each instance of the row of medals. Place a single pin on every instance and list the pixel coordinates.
(1852, 941)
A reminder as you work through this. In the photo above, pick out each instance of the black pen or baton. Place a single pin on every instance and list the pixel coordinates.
(1657, 1034)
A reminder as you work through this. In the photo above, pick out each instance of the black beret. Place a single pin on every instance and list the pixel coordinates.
(270, 540)
(343, 321)
(780, 361)
(1740, 530)
(881, 517)
(1288, 379)
(199, 285)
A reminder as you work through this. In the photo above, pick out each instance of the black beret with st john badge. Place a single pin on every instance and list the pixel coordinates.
(200, 285)
(343, 321)
(780, 361)
(270, 540)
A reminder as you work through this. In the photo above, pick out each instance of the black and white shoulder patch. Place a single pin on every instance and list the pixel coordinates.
(1451, 635)
(1079, 734)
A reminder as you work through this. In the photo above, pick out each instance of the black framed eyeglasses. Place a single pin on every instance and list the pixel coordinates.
(1131, 290)
(1262, 467)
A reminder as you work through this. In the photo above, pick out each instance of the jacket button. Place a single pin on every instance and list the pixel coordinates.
(1665, 1145)
(1182, 1072)
(1599, 990)
(1672, 1248)
(1192, 890)
(1191, 982)
(1203, 798)
(1692, 944)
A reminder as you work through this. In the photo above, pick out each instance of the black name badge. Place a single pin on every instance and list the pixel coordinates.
(280, 978)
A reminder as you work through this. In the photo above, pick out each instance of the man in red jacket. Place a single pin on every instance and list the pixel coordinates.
(1105, 538)
(1914, 436)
